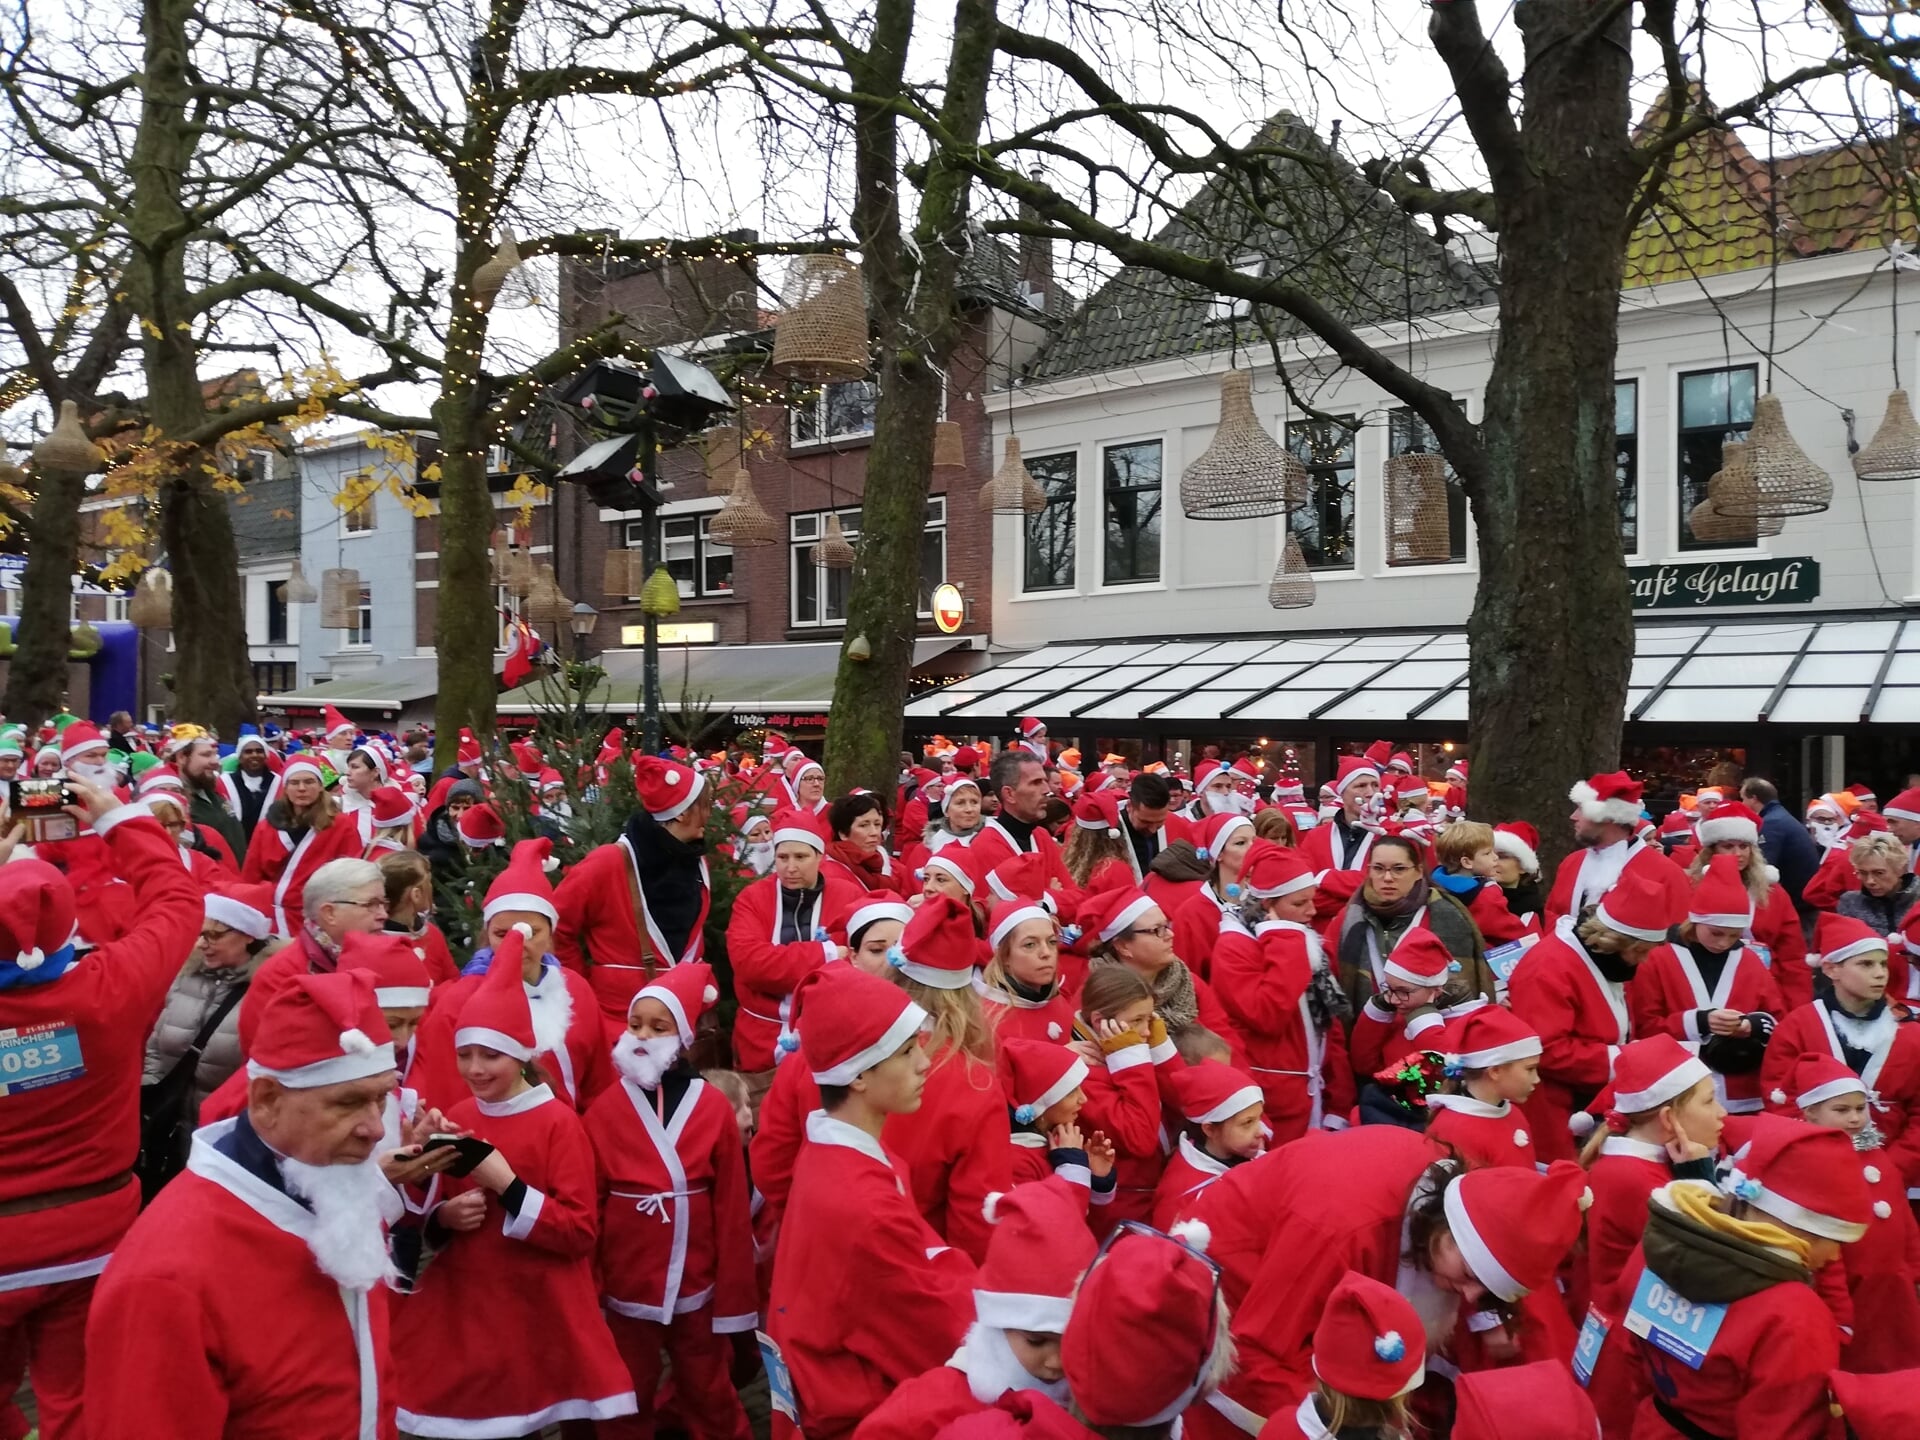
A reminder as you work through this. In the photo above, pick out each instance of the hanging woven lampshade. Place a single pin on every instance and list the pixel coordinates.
(1013, 490)
(151, 605)
(822, 330)
(660, 595)
(1732, 486)
(547, 604)
(520, 572)
(721, 452)
(1292, 585)
(1418, 525)
(833, 551)
(743, 522)
(66, 450)
(1244, 472)
(501, 561)
(296, 589)
(625, 572)
(1894, 451)
(1786, 482)
(949, 449)
(493, 272)
(339, 599)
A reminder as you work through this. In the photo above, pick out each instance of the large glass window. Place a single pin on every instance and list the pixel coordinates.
(1131, 497)
(1626, 461)
(276, 613)
(360, 633)
(1715, 406)
(820, 594)
(1324, 525)
(1409, 434)
(1048, 550)
(698, 566)
(843, 410)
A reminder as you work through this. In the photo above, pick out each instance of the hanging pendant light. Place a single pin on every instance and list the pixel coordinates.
(821, 334)
(66, 450)
(833, 551)
(1244, 472)
(743, 523)
(660, 595)
(721, 452)
(1419, 526)
(949, 450)
(548, 604)
(296, 589)
(1725, 517)
(502, 562)
(339, 599)
(520, 572)
(1894, 451)
(151, 605)
(493, 272)
(1786, 482)
(1013, 490)
(624, 573)
(1292, 585)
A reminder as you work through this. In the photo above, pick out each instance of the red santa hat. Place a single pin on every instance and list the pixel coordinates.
(1513, 1226)
(800, 827)
(1214, 832)
(1022, 878)
(36, 912)
(938, 946)
(1009, 914)
(1421, 958)
(1541, 1401)
(1288, 787)
(797, 773)
(498, 1014)
(246, 908)
(78, 738)
(523, 886)
(468, 752)
(159, 777)
(1675, 824)
(1819, 1076)
(955, 860)
(1520, 840)
(871, 911)
(850, 1021)
(1732, 821)
(1904, 806)
(1098, 811)
(953, 784)
(1038, 1075)
(1205, 771)
(1352, 768)
(1653, 1072)
(1721, 896)
(1838, 938)
(1612, 799)
(480, 826)
(1140, 1344)
(1379, 754)
(666, 787)
(1032, 727)
(391, 806)
(1806, 1176)
(1492, 1035)
(1105, 913)
(1865, 823)
(1402, 762)
(1876, 1407)
(400, 981)
(967, 759)
(1370, 1342)
(688, 992)
(612, 746)
(1457, 772)
(1861, 792)
(306, 765)
(526, 757)
(776, 747)
(1213, 1091)
(1638, 906)
(333, 722)
(1039, 1249)
(1269, 871)
(321, 1030)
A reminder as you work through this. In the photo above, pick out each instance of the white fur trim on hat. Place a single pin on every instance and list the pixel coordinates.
(1507, 843)
(1474, 1250)
(1833, 1089)
(1038, 1314)
(1357, 773)
(1746, 1188)
(235, 916)
(875, 910)
(1014, 918)
(1843, 953)
(1651, 936)
(402, 997)
(672, 1001)
(1400, 972)
(1497, 1054)
(798, 836)
(350, 1064)
(492, 1040)
(1286, 887)
(1670, 1086)
(538, 904)
(1714, 829)
(1725, 922)
(911, 1018)
(1072, 1080)
(1610, 812)
(679, 806)
(1129, 913)
(953, 867)
(927, 975)
(1244, 1098)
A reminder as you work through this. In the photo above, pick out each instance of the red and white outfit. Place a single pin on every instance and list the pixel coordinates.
(1381, 1034)
(1370, 1344)
(1891, 1072)
(277, 858)
(1325, 846)
(1484, 1132)
(1209, 1093)
(993, 844)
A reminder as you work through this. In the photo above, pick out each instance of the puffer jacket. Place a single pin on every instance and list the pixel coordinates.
(195, 992)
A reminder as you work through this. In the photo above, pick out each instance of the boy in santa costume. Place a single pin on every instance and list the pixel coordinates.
(1736, 1339)
(1606, 815)
(1369, 1355)
(1496, 1059)
(865, 1295)
(1270, 972)
(1405, 1013)
(1039, 1250)
(1343, 842)
(1043, 1085)
(1883, 1267)
(1223, 1108)
(676, 1245)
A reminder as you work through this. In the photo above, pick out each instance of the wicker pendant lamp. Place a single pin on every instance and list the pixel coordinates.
(520, 573)
(625, 572)
(949, 450)
(1419, 527)
(659, 595)
(822, 331)
(493, 272)
(1894, 451)
(1244, 472)
(721, 453)
(1724, 517)
(1013, 490)
(1786, 482)
(743, 523)
(833, 551)
(1292, 585)
(501, 566)
(66, 450)
(339, 599)
(548, 603)
(296, 589)
(151, 605)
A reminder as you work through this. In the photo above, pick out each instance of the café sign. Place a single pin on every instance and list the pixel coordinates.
(1789, 580)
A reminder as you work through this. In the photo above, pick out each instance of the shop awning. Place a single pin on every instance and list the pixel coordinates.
(1802, 671)
(395, 683)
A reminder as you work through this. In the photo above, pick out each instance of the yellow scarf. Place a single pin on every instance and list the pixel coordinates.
(1694, 1200)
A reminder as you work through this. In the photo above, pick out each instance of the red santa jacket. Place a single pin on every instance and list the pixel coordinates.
(1582, 1020)
(957, 1149)
(1622, 1176)
(275, 858)
(84, 1035)
(1835, 877)
(1262, 979)
(778, 1137)
(1196, 928)
(1381, 1035)
(579, 1070)
(1189, 1171)
(992, 844)
(1175, 827)
(1670, 997)
(1480, 1132)
(522, 1284)
(214, 1320)
(865, 1295)
(674, 1230)
(430, 945)
(1324, 848)
(1882, 1269)
(1571, 881)
(1777, 926)
(1125, 1099)
(923, 1406)
(1891, 1073)
(892, 879)
(1015, 1017)
(599, 935)
(767, 972)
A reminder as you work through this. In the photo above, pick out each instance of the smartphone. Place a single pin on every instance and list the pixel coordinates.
(39, 803)
(472, 1150)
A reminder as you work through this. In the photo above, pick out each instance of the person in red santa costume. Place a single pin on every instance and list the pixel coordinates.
(1493, 1067)
(252, 1290)
(1773, 936)
(1022, 985)
(1883, 1266)
(81, 1023)
(1875, 1407)
(676, 1243)
(1033, 737)
(1605, 818)
(1018, 782)
(1740, 1261)
(1369, 1356)
(1223, 1109)
(503, 1332)
(1571, 990)
(1345, 840)
(1126, 927)
(1272, 977)
(1021, 1302)
(1222, 842)
(1405, 1010)
(640, 904)
(1045, 1087)
(865, 1295)
(1541, 1401)
(301, 830)
(1285, 1236)
(572, 1040)
(402, 989)
(1710, 989)
(857, 852)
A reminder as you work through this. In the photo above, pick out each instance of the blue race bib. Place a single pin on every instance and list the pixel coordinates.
(1764, 955)
(1671, 1323)
(1586, 1351)
(39, 1056)
(1504, 959)
(779, 1379)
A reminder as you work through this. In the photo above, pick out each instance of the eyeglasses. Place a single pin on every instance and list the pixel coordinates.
(1163, 930)
(378, 907)
(1391, 870)
(1395, 995)
(214, 932)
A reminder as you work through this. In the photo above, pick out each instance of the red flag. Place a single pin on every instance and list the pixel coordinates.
(520, 652)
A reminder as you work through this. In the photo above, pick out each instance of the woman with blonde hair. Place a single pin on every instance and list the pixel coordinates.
(1022, 984)
(1095, 853)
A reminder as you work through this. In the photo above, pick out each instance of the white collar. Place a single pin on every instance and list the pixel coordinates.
(1312, 1427)
(823, 1129)
(277, 1207)
(1199, 1159)
(530, 1098)
(1469, 1105)
(1029, 1140)
(1633, 1149)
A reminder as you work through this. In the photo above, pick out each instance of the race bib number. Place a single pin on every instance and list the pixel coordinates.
(1586, 1351)
(1671, 1323)
(1504, 959)
(779, 1379)
(1761, 953)
(42, 1055)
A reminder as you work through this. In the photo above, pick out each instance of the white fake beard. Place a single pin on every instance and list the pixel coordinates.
(350, 1205)
(93, 774)
(552, 1006)
(760, 857)
(1826, 836)
(1219, 802)
(992, 1369)
(645, 1061)
(1438, 1309)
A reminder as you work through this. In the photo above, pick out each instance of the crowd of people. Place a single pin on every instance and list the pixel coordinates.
(1035, 1097)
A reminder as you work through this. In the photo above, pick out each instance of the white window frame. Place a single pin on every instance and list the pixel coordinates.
(1164, 443)
(1225, 309)
(350, 531)
(819, 410)
(360, 635)
(703, 550)
(804, 529)
(1072, 584)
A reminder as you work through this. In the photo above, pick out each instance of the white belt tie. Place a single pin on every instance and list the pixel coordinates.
(656, 1203)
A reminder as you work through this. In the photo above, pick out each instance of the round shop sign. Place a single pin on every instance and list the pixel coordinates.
(948, 608)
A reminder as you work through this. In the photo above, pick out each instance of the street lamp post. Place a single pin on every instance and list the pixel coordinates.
(584, 618)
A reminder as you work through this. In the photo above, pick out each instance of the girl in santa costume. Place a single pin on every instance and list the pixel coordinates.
(1039, 1250)
(1024, 879)
(1516, 845)
(1369, 1355)
(1883, 1267)
(1126, 926)
(402, 988)
(1222, 842)
(1493, 1066)
(1095, 850)
(387, 824)
(1774, 935)
(1711, 989)
(410, 910)
(865, 1295)
(513, 1276)
(1021, 984)
(1571, 990)
(1854, 1023)
(1223, 1110)
(1725, 1314)
(858, 854)
(1044, 1083)
(675, 1255)
(1271, 973)
(1130, 1069)
(298, 834)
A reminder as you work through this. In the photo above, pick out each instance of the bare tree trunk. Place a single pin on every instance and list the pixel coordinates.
(37, 673)
(465, 626)
(212, 675)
